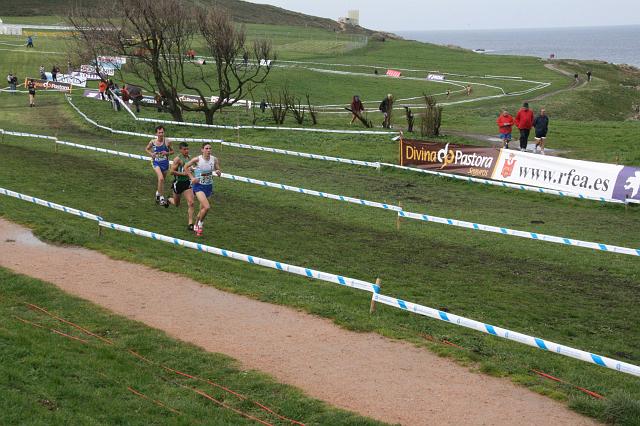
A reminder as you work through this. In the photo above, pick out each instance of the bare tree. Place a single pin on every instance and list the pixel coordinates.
(158, 33)
(431, 118)
(233, 78)
(278, 105)
(312, 110)
(295, 106)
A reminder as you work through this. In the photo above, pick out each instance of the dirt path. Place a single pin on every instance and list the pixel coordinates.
(574, 85)
(366, 373)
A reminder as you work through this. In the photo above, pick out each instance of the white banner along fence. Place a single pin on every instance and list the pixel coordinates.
(360, 285)
(401, 213)
(366, 163)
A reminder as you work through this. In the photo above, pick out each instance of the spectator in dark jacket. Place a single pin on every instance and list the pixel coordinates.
(136, 96)
(386, 107)
(541, 124)
(524, 122)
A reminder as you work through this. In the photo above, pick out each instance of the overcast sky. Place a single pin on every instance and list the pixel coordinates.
(404, 15)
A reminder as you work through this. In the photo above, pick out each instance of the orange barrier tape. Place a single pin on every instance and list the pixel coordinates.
(53, 330)
(84, 330)
(555, 379)
(155, 401)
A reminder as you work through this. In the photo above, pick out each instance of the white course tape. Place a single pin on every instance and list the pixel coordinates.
(312, 192)
(510, 335)
(374, 164)
(401, 213)
(292, 269)
(357, 284)
(304, 154)
(49, 204)
(522, 234)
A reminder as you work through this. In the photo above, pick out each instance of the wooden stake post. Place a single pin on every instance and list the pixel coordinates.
(398, 217)
(372, 307)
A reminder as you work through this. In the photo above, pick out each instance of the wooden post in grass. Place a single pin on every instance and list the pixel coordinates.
(372, 306)
(398, 217)
(238, 125)
(55, 142)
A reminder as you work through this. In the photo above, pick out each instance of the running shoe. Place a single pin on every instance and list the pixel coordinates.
(198, 230)
(190, 227)
(157, 199)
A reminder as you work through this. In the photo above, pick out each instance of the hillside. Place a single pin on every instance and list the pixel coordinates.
(241, 11)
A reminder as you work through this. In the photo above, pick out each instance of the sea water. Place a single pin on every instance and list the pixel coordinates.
(615, 44)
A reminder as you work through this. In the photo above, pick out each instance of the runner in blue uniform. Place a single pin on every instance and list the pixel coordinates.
(159, 149)
(201, 170)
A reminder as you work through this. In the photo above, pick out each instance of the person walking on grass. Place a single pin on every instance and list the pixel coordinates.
(12, 80)
(505, 123)
(181, 183)
(31, 88)
(200, 170)
(356, 108)
(541, 124)
(386, 108)
(159, 149)
(29, 42)
(524, 122)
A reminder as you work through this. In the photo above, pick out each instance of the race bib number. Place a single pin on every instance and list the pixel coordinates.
(160, 157)
(206, 179)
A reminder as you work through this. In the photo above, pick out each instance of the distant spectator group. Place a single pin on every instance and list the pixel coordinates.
(524, 121)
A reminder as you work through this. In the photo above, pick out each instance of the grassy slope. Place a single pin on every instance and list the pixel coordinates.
(586, 297)
(48, 379)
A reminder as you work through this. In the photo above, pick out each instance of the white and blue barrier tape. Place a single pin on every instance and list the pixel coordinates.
(510, 335)
(104, 150)
(377, 165)
(49, 204)
(522, 234)
(360, 285)
(397, 209)
(304, 154)
(254, 260)
(313, 192)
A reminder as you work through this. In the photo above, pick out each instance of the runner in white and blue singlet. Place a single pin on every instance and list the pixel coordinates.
(159, 149)
(201, 170)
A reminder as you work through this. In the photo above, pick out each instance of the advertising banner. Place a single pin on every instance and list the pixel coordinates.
(49, 85)
(91, 69)
(74, 78)
(436, 77)
(563, 174)
(117, 61)
(460, 159)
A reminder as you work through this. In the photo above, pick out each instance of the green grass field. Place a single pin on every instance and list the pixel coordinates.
(47, 378)
(573, 296)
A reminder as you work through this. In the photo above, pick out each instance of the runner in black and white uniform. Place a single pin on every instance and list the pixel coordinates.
(182, 183)
(200, 171)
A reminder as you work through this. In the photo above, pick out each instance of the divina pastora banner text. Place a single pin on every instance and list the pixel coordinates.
(600, 180)
(460, 159)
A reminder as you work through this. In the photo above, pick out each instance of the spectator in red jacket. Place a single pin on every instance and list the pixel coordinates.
(524, 122)
(102, 88)
(356, 108)
(505, 122)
